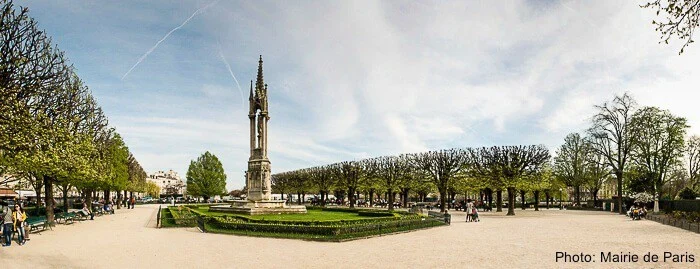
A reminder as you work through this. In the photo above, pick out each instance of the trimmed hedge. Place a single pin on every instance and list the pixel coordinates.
(183, 216)
(340, 231)
(382, 222)
(680, 205)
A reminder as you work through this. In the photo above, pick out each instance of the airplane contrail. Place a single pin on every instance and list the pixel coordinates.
(221, 54)
(197, 12)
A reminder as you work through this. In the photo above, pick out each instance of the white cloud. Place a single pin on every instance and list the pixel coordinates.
(353, 79)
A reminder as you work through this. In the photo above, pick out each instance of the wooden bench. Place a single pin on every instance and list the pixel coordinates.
(37, 224)
(446, 217)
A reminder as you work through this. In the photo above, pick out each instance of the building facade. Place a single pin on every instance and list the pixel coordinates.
(169, 182)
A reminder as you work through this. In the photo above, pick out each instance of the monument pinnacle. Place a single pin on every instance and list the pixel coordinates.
(258, 181)
(259, 84)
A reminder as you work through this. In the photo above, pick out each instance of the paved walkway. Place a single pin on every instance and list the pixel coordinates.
(531, 239)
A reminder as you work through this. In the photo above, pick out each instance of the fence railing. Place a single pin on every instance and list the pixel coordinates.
(200, 224)
(160, 208)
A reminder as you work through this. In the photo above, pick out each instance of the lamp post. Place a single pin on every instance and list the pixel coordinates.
(561, 195)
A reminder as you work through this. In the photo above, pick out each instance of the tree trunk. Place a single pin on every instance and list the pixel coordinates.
(323, 198)
(490, 197)
(511, 201)
(88, 199)
(499, 201)
(595, 197)
(618, 174)
(537, 200)
(48, 199)
(351, 197)
(391, 199)
(38, 185)
(522, 199)
(108, 195)
(119, 199)
(578, 196)
(65, 199)
(443, 196)
(371, 197)
(546, 194)
(405, 197)
(452, 198)
(298, 198)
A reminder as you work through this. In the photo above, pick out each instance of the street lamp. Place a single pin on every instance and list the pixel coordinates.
(561, 195)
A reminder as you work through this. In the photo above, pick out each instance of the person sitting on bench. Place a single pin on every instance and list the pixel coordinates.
(631, 211)
(87, 211)
(109, 207)
(642, 212)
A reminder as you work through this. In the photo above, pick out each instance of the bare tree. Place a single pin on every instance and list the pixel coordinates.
(322, 179)
(682, 16)
(441, 166)
(349, 175)
(570, 164)
(280, 183)
(516, 162)
(611, 136)
(483, 165)
(392, 170)
(597, 173)
(693, 158)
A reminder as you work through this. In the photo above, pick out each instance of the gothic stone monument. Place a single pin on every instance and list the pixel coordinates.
(258, 174)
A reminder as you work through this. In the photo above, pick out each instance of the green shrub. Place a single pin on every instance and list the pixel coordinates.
(688, 194)
(183, 216)
(688, 216)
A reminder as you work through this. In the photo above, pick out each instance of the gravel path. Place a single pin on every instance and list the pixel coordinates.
(530, 239)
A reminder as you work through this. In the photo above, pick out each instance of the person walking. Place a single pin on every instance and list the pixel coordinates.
(132, 202)
(7, 226)
(469, 206)
(18, 218)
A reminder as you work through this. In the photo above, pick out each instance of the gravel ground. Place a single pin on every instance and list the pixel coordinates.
(531, 239)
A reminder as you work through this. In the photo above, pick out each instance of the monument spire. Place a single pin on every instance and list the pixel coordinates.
(258, 175)
(259, 84)
(251, 91)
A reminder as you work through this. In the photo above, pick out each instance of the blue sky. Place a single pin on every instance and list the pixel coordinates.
(354, 79)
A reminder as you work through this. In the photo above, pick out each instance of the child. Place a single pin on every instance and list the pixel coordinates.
(475, 215)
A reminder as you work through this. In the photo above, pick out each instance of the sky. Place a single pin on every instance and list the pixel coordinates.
(356, 79)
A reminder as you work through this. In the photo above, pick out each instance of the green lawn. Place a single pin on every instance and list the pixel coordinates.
(317, 215)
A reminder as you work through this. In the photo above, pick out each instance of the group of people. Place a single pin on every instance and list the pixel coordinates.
(637, 212)
(13, 221)
(472, 213)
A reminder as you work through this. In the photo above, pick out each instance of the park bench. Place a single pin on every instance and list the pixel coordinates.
(72, 215)
(37, 223)
(81, 215)
(98, 211)
(446, 217)
(65, 217)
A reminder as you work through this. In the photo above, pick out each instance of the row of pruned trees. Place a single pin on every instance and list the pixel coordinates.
(52, 131)
(449, 171)
(642, 148)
